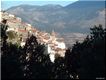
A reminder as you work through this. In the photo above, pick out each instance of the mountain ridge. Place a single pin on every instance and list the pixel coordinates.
(64, 20)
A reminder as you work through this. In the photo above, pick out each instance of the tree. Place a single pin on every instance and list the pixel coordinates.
(92, 54)
(10, 64)
(3, 27)
(10, 53)
(37, 65)
(72, 61)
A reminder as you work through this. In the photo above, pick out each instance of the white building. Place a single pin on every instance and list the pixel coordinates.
(28, 24)
(52, 57)
(22, 44)
(54, 47)
(10, 29)
(10, 15)
(19, 19)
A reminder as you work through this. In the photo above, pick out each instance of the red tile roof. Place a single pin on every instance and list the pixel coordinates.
(22, 30)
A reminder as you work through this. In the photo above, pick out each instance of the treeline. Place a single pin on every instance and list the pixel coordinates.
(85, 61)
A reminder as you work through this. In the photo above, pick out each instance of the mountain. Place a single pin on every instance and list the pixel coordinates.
(87, 4)
(35, 7)
(84, 14)
(77, 17)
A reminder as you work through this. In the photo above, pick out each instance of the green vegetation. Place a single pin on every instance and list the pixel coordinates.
(11, 35)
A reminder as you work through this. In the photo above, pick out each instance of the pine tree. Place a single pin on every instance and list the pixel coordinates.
(36, 63)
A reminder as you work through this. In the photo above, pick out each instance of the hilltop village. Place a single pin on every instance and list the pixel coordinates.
(54, 44)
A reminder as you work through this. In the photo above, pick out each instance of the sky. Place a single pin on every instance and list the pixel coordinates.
(5, 4)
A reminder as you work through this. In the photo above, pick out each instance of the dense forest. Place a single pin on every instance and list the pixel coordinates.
(85, 60)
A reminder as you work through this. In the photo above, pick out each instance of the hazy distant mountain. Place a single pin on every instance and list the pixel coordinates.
(87, 4)
(76, 17)
(35, 7)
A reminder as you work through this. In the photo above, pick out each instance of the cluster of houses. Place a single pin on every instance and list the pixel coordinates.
(55, 46)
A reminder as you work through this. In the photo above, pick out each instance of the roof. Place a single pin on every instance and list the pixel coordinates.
(22, 30)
